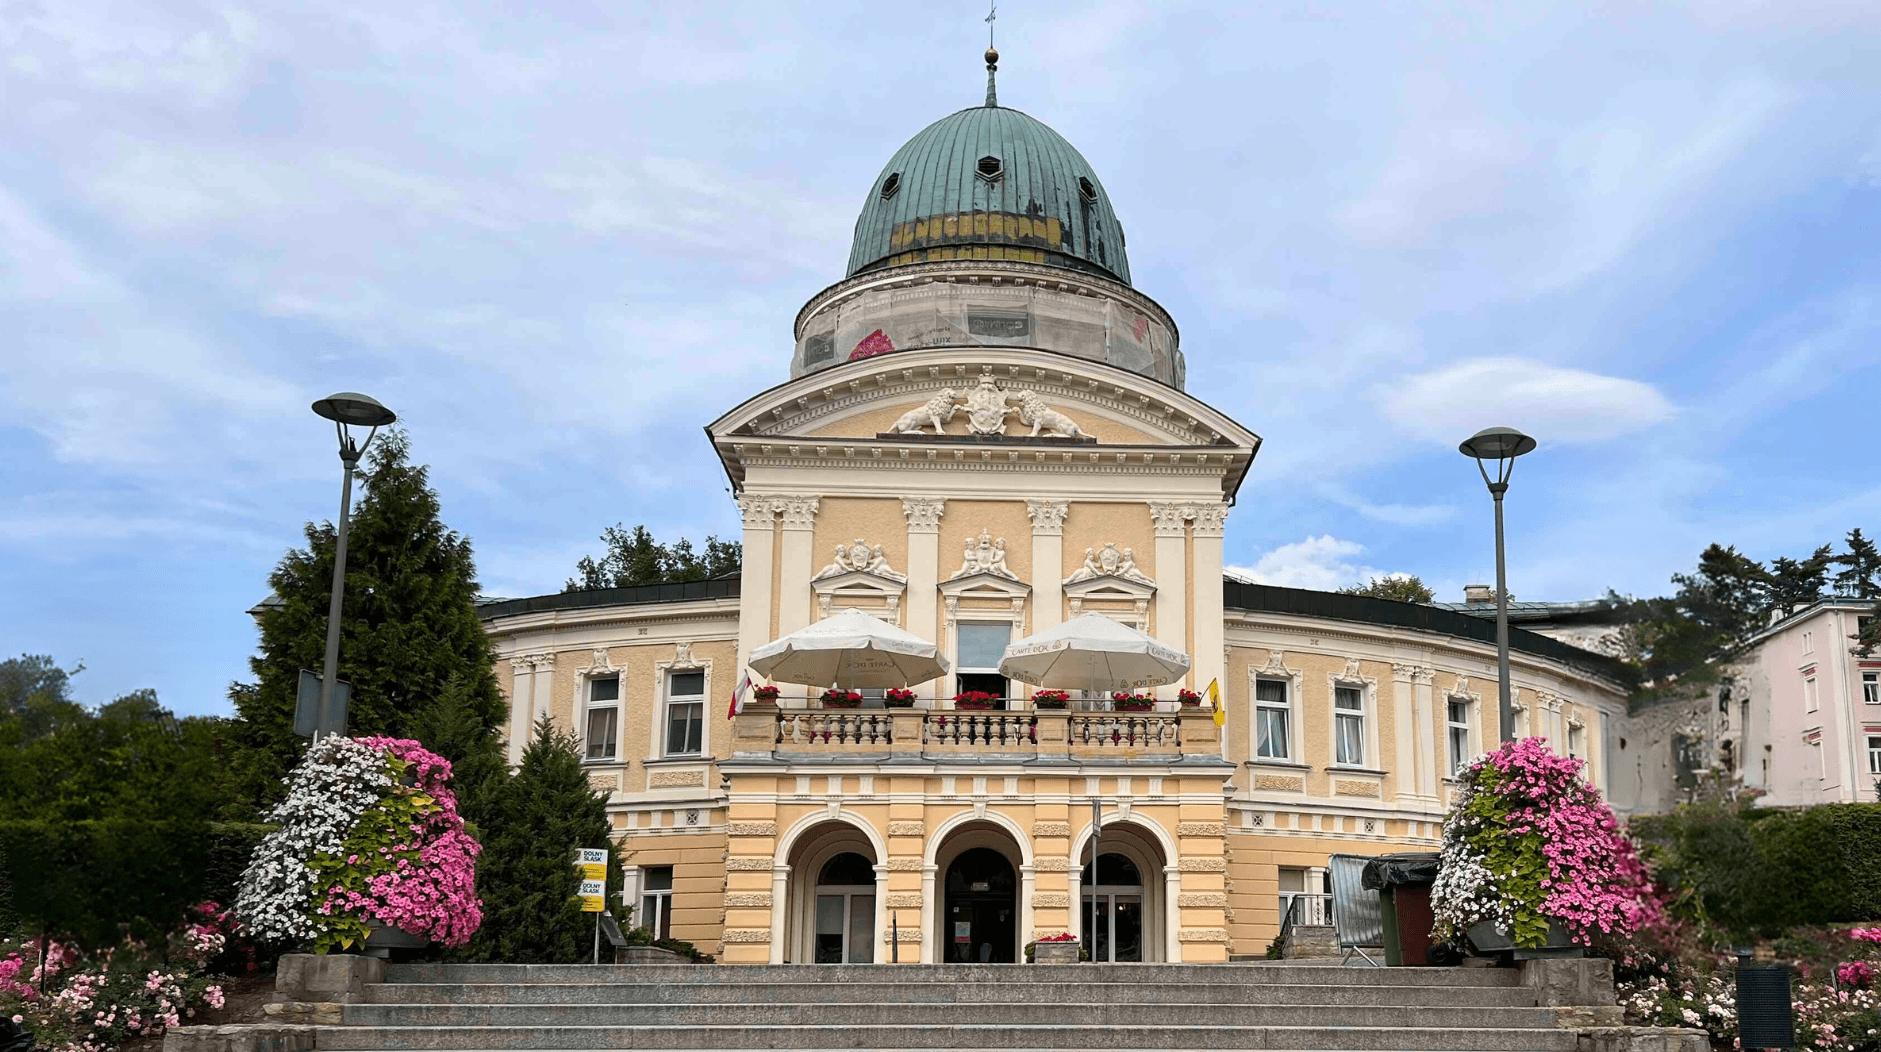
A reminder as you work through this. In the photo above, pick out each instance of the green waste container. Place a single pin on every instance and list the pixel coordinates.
(1403, 883)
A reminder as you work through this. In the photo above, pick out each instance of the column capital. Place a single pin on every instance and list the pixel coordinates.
(799, 512)
(544, 662)
(759, 510)
(1168, 518)
(1211, 520)
(924, 513)
(1048, 516)
(1415, 673)
(520, 665)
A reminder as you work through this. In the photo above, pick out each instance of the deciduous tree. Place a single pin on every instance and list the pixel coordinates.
(635, 557)
(1404, 588)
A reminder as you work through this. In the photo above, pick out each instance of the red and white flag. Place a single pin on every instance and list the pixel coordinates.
(738, 696)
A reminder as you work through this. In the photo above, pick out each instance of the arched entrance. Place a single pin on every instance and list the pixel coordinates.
(1125, 909)
(834, 889)
(1113, 910)
(980, 914)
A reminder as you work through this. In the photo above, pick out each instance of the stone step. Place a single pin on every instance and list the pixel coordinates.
(994, 1036)
(1288, 973)
(630, 993)
(863, 1014)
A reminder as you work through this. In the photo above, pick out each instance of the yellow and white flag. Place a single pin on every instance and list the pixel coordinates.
(1214, 702)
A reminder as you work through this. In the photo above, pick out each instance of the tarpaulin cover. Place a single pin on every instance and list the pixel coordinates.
(1405, 870)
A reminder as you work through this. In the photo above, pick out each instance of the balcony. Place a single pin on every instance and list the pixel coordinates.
(802, 733)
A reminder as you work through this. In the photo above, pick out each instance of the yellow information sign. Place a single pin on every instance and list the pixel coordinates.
(592, 863)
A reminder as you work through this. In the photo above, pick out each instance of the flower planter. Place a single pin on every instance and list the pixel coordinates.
(899, 703)
(842, 704)
(1050, 703)
(1134, 706)
(1065, 952)
(382, 940)
(1487, 941)
(973, 706)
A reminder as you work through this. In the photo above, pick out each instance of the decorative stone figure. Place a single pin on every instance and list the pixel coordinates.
(860, 557)
(1034, 411)
(1109, 563)
(986, 408)
(937, 411)
(985, 556)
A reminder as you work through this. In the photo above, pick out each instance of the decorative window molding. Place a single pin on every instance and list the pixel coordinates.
(1472, 736)
(1366, 714)
(599, 667)
(683, 661)
(861, 577)
(1276, 669)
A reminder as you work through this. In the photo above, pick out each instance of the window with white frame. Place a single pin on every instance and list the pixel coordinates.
(603, 717)
(1292, 882)
(1271, 714)
(656, 901)
(1348, 725)
(685, 712)
(978, 646)
(1809, 642)
(1810, 701)
(1577, 741)
(1457, 723)
(1874, 754)
(1871, 688)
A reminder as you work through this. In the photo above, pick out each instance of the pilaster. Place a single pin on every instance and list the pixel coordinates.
(1424, 723)
(542, 699)
(794, 598)
(1048, 560)
(1211, 522)
(924, 515)
(521, 707)
(1172, 574)
(754, 589)
(1404, 773)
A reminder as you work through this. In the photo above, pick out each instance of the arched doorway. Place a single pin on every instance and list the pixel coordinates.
(831, 913)
(980, 914)
(1113, 910)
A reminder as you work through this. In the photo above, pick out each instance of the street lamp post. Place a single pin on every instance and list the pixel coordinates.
(344, 409)
(1503, 445)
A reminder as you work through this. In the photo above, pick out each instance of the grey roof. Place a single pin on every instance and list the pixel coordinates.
(1533, 610)
(936, 177)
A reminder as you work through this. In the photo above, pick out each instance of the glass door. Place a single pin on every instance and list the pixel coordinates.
(845, 928)
(1117, 922)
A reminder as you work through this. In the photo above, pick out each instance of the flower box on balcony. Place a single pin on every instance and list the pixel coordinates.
(1188, 697)
(973, 701)
(841, 699)
(1123, 702)
(896, 698)
(1051, 699)
(768, 695)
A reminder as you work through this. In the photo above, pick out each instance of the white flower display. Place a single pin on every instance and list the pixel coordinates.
(327, 792)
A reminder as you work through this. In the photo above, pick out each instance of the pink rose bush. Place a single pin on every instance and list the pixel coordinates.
(1528, 841)
(93, 1002)
(369, 836)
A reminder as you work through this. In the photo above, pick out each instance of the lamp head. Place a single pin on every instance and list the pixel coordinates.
(1496, 443)
(351, 407)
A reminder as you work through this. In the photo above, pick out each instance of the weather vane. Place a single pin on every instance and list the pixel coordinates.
(991, 14)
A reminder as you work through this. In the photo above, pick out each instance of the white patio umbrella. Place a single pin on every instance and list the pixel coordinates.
(850, 649)
(1093, 652)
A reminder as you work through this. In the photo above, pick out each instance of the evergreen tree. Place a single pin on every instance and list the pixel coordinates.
(1861, 563)
(1405, 588)
(1794, 585)
(409, 624)
(635, 557)
(526, 875)
(1727, 596)
(455, 730)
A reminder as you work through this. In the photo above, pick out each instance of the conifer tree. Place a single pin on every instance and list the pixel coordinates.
(1860, 566)
(1794, 585)
(409, 624)
(526, 875)
(454, 729)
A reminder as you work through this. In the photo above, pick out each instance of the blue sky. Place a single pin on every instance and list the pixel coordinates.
(559, 237)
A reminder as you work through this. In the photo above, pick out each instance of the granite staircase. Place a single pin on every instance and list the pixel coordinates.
(455, 1008)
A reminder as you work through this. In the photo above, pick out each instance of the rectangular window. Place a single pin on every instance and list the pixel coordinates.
(1270, 719)
(1577, 742)
(1871, 688)
(1292, 882)
(656, 901)
(1810, 701)
(685, 713)
(979, 646)
(1458, 723)
(1348, 705)
(1874, 754)
(603, 717)
(1809, 642)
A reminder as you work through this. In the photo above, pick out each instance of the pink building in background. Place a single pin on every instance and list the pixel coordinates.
(1814, 707)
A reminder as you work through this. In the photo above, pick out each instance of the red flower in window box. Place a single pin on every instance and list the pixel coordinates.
(1188, 697)
(974, 699)
(835, 698)
(1123, 701)
(764, 693)
(898, 698)
(1051, 699)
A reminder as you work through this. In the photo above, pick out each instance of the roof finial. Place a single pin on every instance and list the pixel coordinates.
(992, 56)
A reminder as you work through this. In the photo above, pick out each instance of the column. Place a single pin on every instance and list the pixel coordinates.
(1211, 522)
(924, 515)
(1404, 761)
(754, 589)
(1172, 575)
(543, 698)
(1048, 561)
(1424, 721)
(780, 887)
(520, 708)
(793, 579)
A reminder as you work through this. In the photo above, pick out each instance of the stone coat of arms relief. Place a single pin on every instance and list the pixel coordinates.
(985, 555)
(1109, 562)
(860, 557)
(987, 408)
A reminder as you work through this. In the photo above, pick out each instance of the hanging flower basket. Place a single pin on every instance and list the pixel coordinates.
(1126, 702)
(841, 699)
(896, 698)
(1051, 699)
(974, 700)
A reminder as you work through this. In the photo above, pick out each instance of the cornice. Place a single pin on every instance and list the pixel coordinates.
(702, 611)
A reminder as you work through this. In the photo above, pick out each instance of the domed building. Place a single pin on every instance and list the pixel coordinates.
(984, 435)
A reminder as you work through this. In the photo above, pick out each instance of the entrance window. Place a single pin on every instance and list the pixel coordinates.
(656, 902)
(981, 918)
(979, 645)
(1292, 882)
(1113, 910)
(845, 911)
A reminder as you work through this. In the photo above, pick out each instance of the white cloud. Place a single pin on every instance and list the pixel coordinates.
(1552, 403)
(1324, 562)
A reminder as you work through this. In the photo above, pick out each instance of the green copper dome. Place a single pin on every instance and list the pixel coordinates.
(989, 183)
